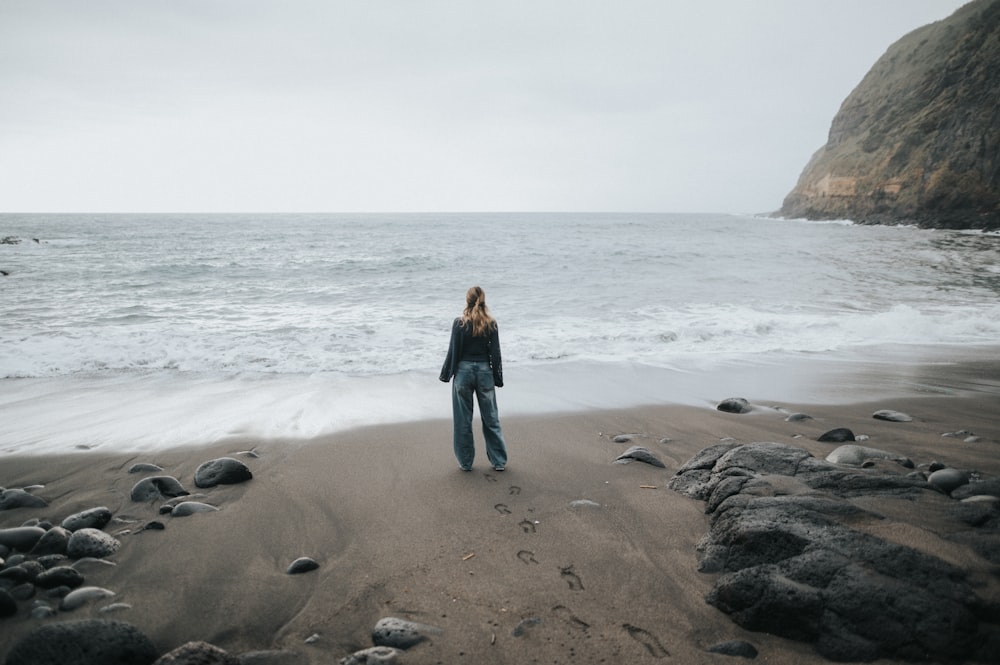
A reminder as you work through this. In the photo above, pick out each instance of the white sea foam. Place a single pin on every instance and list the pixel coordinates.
(160, 330)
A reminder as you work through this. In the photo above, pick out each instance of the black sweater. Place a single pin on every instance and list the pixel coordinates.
(463, 346)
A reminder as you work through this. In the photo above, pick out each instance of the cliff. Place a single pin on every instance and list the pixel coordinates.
(918, 140)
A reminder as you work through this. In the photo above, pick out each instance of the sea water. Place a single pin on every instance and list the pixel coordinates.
(134, 331)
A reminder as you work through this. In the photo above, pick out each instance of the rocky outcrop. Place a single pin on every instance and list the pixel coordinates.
(918, 140)
(794, 557)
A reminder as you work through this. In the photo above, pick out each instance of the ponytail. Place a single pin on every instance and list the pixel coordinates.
(476, 312)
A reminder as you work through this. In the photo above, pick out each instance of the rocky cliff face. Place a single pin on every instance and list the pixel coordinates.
(918, 141)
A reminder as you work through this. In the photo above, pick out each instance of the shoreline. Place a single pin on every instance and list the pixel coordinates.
(506, 565)
(144, 411)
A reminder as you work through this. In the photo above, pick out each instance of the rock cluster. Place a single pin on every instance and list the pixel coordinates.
(40, 573)
(791, 561)
(391, 637)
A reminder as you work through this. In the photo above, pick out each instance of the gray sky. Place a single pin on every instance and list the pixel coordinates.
(426, 105)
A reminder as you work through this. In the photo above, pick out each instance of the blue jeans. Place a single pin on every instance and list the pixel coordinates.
(476, 377)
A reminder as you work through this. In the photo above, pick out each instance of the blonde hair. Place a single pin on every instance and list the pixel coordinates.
(476, 312)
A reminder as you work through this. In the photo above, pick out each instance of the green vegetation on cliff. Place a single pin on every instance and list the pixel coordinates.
(918, 140)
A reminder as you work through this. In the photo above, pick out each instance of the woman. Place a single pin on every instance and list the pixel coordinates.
(474, 360)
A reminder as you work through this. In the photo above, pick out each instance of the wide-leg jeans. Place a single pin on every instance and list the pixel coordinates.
(476, 378)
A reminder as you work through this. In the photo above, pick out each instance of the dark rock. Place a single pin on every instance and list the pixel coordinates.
(16, 498)
(197, 653)
(53, 541)
(734, 648)
(935, 466)
(372, 656)
(152, 526)
(791, 562)
(734, 405)
(86, 642)
(21, 538)
(793, 418)
(221, 471)
(986, 487)
(8, 606)
(14, 574)
(42, 612)
(302, 565)
(892, 416)
(916, 141)
(639, 454)
(695, 483)
(33, 568)
(186, 508)
(23, 591)
(837, 435)
(157, 487)
(79, 597)
(622, 438)
(60, 576)
(145, 467)
(95, 518)
(853, 455)
(763, 458)
(400, 633)
(51, 560)
(948, 480)
(92, 543)
(707, 457)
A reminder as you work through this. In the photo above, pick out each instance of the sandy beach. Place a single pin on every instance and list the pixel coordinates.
(566, 557)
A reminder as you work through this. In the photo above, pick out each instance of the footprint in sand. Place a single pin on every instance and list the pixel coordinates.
(490, 478)
(646, 639)
(527, 557)
(502, 509)
(527, 525)
(566, 615)
(514, 490)
(572, 579)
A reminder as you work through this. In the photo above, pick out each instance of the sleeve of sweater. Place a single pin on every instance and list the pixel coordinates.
(451, 359)
(496, 362)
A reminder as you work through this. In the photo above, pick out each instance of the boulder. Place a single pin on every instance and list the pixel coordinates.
(17, 498)
(85, 642)
(221, 471)
(157, 487)
(53, 541)
(400, 633)
(985, 487)
(639, 454)
(790, 560)
(892, 416)
(197, 653)
(92, 543)
(301, 565)
(58, 576)
(948, 480)
(854, 455)
(95, 518)
(21, 538)
(734, 405)
(372, 656)
(836, 435)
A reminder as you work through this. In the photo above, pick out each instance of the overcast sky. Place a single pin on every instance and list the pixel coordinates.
(426, 105)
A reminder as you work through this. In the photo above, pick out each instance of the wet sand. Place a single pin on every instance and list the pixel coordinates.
(505, 564)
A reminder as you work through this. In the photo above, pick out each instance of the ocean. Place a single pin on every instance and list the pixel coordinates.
(134, 331)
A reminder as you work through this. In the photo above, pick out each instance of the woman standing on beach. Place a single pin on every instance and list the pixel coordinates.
(474, 360)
